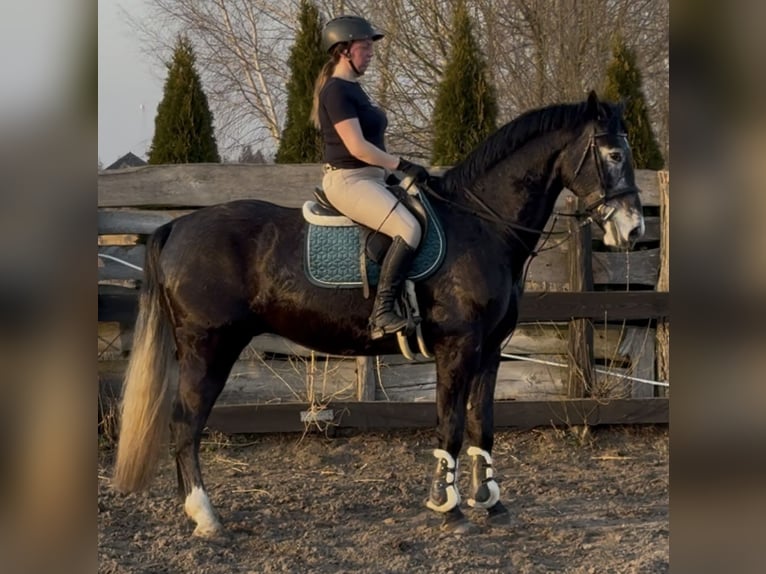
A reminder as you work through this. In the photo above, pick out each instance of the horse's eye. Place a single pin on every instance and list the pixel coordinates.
(615, 156)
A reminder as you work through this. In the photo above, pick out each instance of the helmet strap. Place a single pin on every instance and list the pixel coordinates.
(347, 55)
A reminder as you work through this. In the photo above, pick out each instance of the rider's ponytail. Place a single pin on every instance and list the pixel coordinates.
(321, 80)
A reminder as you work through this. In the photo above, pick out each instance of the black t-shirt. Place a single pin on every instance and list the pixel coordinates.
(340, 100)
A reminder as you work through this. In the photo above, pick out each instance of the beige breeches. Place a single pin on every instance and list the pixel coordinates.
(361, 195)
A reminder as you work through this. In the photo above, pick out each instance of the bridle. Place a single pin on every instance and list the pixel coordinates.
(595, 200)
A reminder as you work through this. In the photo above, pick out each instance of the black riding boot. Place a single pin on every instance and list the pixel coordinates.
(393, 272)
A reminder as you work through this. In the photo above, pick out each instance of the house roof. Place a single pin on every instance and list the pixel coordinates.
(128, 160)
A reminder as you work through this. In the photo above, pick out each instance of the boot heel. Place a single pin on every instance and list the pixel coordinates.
(391, 328)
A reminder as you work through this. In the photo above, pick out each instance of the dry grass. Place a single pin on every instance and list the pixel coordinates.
(108, 422)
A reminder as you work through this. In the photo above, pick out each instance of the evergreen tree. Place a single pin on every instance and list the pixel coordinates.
(183, 127)
(623, 82)
(465, 111)
(301, 141)
(247, 155)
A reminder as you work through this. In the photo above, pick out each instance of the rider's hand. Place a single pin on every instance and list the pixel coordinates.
(414, 170)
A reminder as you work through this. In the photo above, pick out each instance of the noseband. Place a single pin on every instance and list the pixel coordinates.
(596, 199)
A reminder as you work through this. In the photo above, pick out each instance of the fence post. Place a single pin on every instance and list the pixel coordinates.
(365, 379)
(663, 281)
(580, 357)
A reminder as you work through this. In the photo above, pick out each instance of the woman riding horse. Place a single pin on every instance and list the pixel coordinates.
(223, 274)
(355, 157)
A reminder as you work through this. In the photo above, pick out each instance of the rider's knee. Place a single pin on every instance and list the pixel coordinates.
(413, 234)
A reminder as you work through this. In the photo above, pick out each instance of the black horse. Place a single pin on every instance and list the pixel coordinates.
(223, 274)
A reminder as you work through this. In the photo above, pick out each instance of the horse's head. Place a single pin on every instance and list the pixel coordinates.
(602, 175)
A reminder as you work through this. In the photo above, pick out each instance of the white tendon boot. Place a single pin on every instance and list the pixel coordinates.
(486, 492)
(444, 495)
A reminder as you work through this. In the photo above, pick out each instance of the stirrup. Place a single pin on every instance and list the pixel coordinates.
(378, 332)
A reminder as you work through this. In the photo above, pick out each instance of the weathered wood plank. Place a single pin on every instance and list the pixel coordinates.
(196, 185)
(129, 221)
(392, 415)
(515, 380)
(598, 305)
(268, 381)
(277, 381)
(551, 339)
(115, 340)
(639, 345)
(549, 268)
(120, 304)
(580, 360)
(366, 378)
(634, 267)
(663, 282)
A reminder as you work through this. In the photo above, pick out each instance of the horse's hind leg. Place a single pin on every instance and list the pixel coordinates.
(480, 428)
(205, 361)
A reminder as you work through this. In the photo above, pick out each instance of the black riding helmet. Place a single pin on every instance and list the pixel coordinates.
(347, 29)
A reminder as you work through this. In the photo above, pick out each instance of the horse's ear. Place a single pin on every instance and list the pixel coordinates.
(593, 105)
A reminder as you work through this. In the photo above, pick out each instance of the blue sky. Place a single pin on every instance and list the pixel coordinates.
(129, 84)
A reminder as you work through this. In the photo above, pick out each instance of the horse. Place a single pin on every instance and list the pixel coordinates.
(218, 276)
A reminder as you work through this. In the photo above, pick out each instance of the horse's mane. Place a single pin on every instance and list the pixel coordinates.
(511, 137)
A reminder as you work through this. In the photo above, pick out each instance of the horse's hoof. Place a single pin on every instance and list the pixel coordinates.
(455, 522)
(209, 531)
(499, 515)
(464, 526)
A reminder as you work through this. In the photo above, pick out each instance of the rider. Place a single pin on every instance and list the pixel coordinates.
(355, 157)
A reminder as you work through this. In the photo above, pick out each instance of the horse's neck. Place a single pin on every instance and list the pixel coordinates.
(529, 199)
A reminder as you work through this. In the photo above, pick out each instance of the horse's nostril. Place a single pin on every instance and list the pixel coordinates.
(635, 233)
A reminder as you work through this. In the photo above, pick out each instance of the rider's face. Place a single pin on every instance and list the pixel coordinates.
(360, 53)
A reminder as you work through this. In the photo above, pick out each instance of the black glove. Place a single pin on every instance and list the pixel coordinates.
(414, 170)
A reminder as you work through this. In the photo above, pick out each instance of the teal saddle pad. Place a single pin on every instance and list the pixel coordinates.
(333, 254)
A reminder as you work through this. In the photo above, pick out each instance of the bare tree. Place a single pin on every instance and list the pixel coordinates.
(539, 52)
(547, 51)
(242, 47)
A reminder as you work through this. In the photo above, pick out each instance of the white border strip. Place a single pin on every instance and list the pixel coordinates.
(602, 371)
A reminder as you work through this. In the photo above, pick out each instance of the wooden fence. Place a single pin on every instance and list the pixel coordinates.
(594, 325)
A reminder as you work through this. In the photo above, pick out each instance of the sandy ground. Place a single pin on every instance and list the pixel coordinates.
(355, 504)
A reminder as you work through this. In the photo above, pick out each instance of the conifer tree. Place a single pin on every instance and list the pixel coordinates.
(465, 111)
(247, 155)
(624, 82)
(300, 140)
(183, 127)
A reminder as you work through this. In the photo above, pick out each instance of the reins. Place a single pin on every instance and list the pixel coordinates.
(511, 228)
(492, 216)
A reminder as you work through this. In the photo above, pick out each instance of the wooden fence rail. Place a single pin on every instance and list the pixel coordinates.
(586, 311)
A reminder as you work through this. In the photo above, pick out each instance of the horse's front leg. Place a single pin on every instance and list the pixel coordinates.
(485, 492)
(456, 365)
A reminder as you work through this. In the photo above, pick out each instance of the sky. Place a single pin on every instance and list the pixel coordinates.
(129, 84)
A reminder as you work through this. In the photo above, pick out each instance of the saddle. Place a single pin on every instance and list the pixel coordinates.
(339, 253)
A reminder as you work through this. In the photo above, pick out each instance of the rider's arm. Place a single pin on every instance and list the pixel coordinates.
(350, 132)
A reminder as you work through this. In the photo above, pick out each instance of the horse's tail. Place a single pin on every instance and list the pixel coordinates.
(149, 379)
